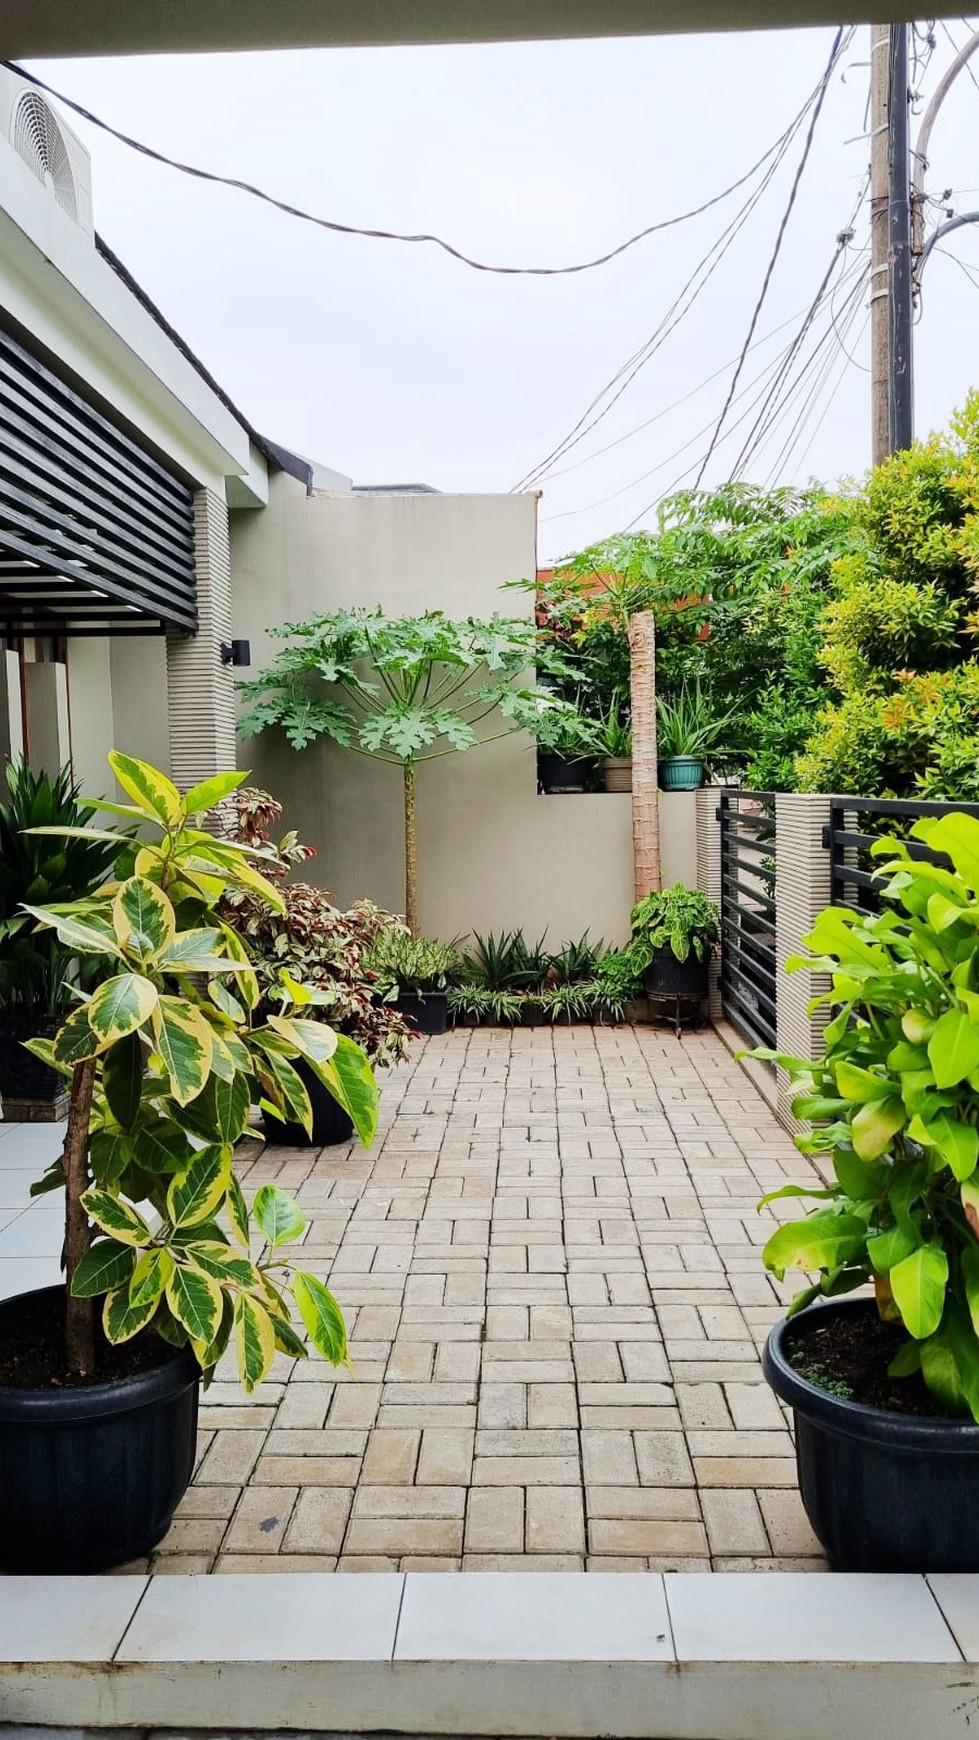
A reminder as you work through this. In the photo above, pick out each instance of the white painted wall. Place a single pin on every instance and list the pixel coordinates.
(492, 853)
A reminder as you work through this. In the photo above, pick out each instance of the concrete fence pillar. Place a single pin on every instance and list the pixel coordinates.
(200, 689)
(802, 890)
(709, 873)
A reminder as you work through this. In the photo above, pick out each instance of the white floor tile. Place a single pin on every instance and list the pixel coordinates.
(32, 1235)
(798, 1617)
(23, 1274)
(958, 1597)
(511, 1616)
(65, 1618)
(315, 1617)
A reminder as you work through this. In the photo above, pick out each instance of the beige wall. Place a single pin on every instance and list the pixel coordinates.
(117, 696)
(492, 853)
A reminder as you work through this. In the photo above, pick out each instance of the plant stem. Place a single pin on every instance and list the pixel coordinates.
(411, 851)
(79, 1329)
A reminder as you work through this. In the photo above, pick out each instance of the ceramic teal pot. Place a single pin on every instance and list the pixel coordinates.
(681, 773)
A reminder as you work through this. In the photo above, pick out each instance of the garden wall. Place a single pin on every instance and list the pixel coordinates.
(493, 854)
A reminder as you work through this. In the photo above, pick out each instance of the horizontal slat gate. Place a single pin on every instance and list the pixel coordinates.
(96, 535)
(748, 974)
(854, 825)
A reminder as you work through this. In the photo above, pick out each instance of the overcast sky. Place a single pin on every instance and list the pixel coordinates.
(394, 363)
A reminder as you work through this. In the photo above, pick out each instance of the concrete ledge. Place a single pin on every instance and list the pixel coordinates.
(675, 1657)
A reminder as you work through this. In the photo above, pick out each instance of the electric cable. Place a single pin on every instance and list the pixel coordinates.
(372, 234)
(638, 360)
(843, 240)
(835, 51)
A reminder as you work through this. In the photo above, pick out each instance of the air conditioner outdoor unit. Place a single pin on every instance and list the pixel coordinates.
(48, 146)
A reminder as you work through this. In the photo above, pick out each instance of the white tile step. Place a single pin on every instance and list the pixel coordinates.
(675, 1657)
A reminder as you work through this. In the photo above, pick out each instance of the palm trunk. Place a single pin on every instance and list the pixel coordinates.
(645, 767)
(79, 1321)
(411, 851)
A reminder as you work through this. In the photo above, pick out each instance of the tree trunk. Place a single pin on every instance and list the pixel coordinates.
(645, 767)
(79, 1331)
(411, 851)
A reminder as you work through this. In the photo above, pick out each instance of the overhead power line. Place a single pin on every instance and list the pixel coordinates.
(380, 235)
(840, 41)
(708, 264)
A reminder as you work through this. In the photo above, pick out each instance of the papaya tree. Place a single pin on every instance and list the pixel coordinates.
(403, 690)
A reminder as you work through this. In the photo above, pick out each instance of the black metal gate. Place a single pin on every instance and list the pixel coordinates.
(854, 825)
(748, 966)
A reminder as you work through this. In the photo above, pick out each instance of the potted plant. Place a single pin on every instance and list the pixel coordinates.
(688, 731)
(674, 934)
(98, 1411)
(613, 741)
(320, 949)
(566, 747)
(36, 968)
(414, 973)
(885, 1388)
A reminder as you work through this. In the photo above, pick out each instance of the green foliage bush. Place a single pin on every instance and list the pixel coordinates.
(898, 652)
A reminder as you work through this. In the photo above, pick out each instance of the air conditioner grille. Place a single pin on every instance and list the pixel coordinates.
(38, 139)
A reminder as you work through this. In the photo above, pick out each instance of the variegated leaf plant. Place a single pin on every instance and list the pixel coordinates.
(166, 1059)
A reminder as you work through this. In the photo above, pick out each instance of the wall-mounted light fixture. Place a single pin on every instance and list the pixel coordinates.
(236, 652)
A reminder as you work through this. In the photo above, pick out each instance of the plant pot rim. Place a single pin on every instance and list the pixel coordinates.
(666, 759)
(851, 1419)
(59, 1407)
(617, 761)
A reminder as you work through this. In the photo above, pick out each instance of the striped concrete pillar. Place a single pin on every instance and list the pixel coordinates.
(802, 890)
(200, 689)
(709, 873)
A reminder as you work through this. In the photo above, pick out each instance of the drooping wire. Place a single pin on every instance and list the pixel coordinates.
(692, 289)
(839, 42)
(797, 387)
(843, 240)
(380, 235)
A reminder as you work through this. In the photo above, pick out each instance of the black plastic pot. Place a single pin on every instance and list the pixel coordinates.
(90, 1478)
(331, 1124)
(22, 1075)
(883, 1491)
(668, 977)
(558, 773)
(428, 1011)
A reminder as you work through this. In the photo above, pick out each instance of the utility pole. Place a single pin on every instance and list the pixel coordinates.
(901, 296)
(880, 44)
(891, 287)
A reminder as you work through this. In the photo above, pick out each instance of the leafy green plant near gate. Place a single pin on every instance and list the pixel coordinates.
(678, 918)
(165, 1059)
(895, 1104)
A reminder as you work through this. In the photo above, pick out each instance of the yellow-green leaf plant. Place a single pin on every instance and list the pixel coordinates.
(166, 1059)
(894, 1108)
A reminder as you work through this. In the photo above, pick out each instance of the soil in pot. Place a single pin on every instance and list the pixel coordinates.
(848, 1356)
(885, 1488)
(331, 1124)
(428, 1012)
(90, 1472)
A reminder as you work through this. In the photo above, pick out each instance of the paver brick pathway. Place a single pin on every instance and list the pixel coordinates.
(550, 1265)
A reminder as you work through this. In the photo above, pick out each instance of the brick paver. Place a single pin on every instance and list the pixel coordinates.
(550, 1267)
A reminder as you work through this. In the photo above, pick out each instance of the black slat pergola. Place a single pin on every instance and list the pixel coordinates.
(96, 535)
